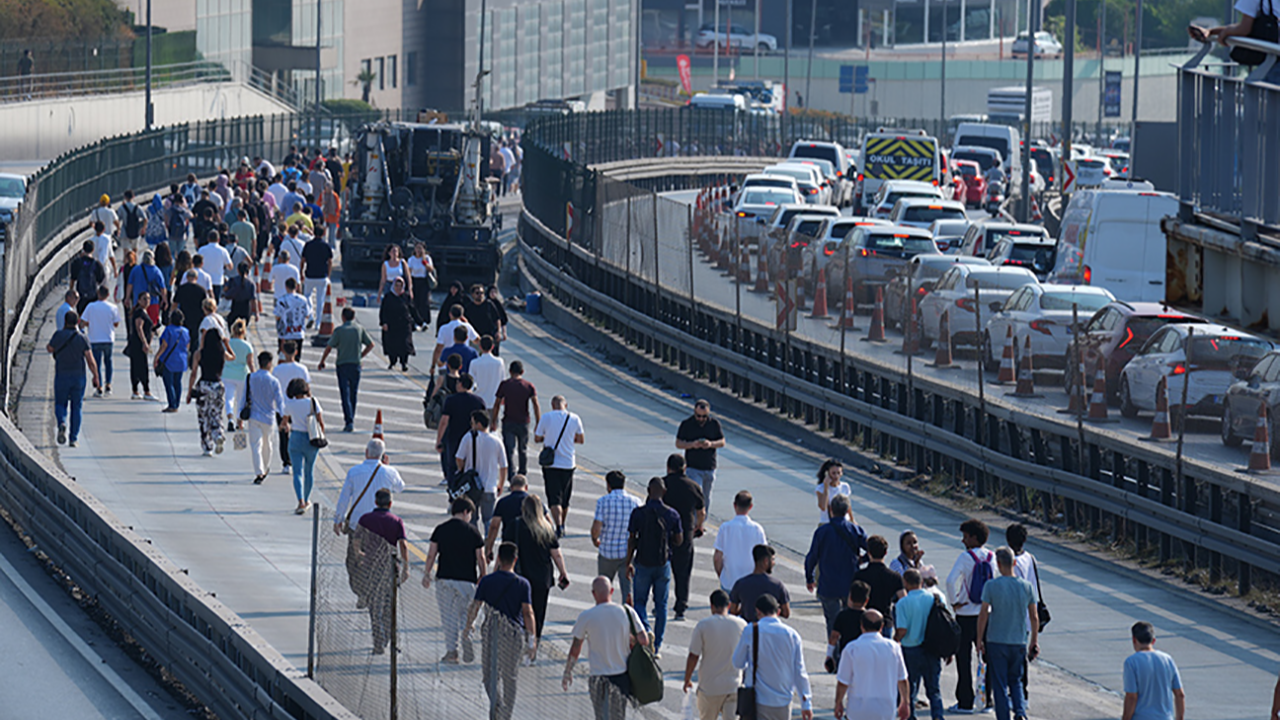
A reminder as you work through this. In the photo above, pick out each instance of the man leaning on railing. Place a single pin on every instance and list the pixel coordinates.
(1257, 20)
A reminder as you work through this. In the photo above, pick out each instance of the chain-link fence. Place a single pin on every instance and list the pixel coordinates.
(388, 649)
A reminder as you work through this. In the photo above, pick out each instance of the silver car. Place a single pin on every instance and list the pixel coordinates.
(878, 253)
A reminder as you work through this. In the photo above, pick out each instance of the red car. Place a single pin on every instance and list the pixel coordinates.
(975, 185)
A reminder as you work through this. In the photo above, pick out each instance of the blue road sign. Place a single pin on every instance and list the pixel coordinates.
(860, 84)
(846, 78)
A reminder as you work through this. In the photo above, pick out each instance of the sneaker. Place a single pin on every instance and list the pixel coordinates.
(206, 453)
(62, 433)
(136, 396)
(150, 398)
(169, 410)
(71, 444)
(108, 390)
(678, 617)
(217, 447)
(231, 426)
(987, 709)
(450, 658)
(258, 480)
(97, 393)
(559, 531)
(957, 710)
(349, 427)
(468, 651)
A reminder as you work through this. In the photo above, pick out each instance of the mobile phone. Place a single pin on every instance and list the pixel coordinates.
(564, 583)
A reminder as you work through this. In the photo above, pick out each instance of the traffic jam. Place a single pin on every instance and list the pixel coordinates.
(919, 237)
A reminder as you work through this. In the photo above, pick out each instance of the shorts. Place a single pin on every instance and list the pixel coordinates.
(558, 483)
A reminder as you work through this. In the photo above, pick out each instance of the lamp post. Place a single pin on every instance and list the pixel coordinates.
(150, 112)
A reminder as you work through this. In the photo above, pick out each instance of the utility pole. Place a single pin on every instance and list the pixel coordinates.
(1024, 204)
(943, 95)
(1137, 70)
(319, 94)
(786, 74)
(480, 73)
(715, 45)
(1068, 79)
(813, 35)
(1102, 66)
(150, 111)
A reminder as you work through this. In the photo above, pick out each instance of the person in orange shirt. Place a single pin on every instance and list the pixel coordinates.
(332, 213)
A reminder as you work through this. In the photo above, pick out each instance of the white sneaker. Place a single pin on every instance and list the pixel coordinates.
(150, 397)
(207, 453)
(136, 396)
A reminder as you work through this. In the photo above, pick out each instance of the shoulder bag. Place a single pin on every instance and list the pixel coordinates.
(1265, 28)
(1042, 610)
(248, 399)
(346, 523)
(314, 432)
(747, 695)
(467, 483)
(547, 456)
(642, 669)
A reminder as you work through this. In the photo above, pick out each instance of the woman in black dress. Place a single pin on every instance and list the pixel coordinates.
(457, 294)
(537, 550)
(396, 319)
(138, 348)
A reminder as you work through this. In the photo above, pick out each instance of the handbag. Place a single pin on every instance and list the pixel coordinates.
(314, 432)
(239, 440)
(160, 361)
(547, 456)
(248, 399)
(643, 669)
(1264, 28)
(1042, 610)
(747, 695)
(467, 483)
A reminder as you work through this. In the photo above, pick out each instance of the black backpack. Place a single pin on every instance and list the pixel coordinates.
(652, 523)
(87, 277)
(132, 221)
(941, 631)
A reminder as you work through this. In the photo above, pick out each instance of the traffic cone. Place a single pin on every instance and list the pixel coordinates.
(942, 358)
(850, 307)
(326, 319)
(1098, 402)
(1036, 215)
(820, 296)
(876, 332)
(1160, 429)
(744, 264)
(264, 280)
(1026, 375)
(910, 332)
(762, 274)
(1075, 400)
(377, 426)
(1005, 375)
(1260, 454)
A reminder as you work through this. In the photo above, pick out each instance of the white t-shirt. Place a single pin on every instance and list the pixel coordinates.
(297, 410)
(102, 250)
(278, 191)
(292, 311)
(107, 217)
(102, 316)
(488, 372)
(871, 667)
(445, 335)
(714, 639)
(215, 321)
(842, 489)
(203, 280)
(294, 246)
(285, 372)
(492, 457)
(549, 428)
(216, 260)
(1252, 8)
(736, 539)
(281, 272)
(418, 266)
(607, 630)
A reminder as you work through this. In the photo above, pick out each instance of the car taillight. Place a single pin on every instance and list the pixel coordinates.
(860, 177)
(1127, 338)
(829, 250)
(1043, 326)
(967, 304)
(1178, 368)
(813, 191)
(922, 291)
(743, 214)
(1088, 275)
(866, 253)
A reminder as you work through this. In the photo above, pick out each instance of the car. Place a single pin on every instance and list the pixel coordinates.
(1119, 161)
(802, 173)
(921, 212)
(985, 157)
(1113, 239)
(919, 278)
(785, 259)
(1205, 357)
(983, 236)
(827, 253)
(840, 176)
(1111, 337)
(975, 185)
(878, 252)
(1032, 251)
(891, 191)
(826, 174)
(812, 194)
(957, 291)
(756, 180)
(1257, 387)
(773, 230)
(755, 206)
(1045, 45)
(948, 233)
(1004, 139)
(1045, 314)
(1046, 163)
(738, 37)
(13, 189)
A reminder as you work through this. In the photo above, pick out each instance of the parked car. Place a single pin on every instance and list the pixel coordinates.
(877, 253)
(1045, 45)
(826, 253)
(1257, 386)
(921, 275)
(13, 188)
(1206, 361)
(1113, 335)
(1031, 251)
(975, 186)
(891, 191)
(948, 233)
(737, 37)
(755, 206)
(983, 236)
(956, 291)
(1044, 314)
(921, 212)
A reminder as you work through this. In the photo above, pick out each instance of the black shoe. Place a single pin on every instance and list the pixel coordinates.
(231, 427)
(404, 367)
(258, 480)
(62, 434)
(559, 531)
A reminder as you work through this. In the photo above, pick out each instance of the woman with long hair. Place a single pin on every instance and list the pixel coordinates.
(829, 486)
(205, 387)
(236, 372)
(298, 406)
(456, 295)
(164, 263)
(393, 266)
(538, 549)
(181, 264)
(423, 272)
(138, 348)
(122, 291)
(171, 359)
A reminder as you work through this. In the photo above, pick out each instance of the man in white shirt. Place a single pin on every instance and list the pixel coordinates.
(278, 191)
(444, 336)
(102, 248)
(873, 674)
(712, 644)
(202, 278)
(282, 271)
(105, 215)
(487, 371)
(356, 499)
(483, 450)
(294, 244)
(967, 607)
(606, 628)
(292, 312)
(101, 318)
(735, 541)
(561, 430)
(217, 262)
(285, 371)
(780, 670)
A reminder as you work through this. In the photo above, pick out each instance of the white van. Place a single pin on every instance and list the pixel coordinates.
(715, 101)
(842, 187)
(997, 137)
(1112, 239)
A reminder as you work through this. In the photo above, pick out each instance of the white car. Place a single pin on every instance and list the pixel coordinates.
(803, 174)
(759, 180)
(920, 212)
(1046, 44)
(1203, 356)
(955, 292)
(1044, 314)
(1030, 251)
(948, 233)
(827, 248)
(13, 188)
(755, 205)
(893, 190)
(738, 37)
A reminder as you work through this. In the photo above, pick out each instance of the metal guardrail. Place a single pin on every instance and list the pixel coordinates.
(45, 86)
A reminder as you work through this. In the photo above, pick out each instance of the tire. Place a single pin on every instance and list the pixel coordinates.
(1229, 438)
(764, 48)
(1127, 408)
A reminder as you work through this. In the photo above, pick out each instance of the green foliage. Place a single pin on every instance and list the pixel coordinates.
(1164, 22)
(23, 19)
(168, 48)
(353, 113)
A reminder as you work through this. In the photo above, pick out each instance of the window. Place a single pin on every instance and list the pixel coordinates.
(391, 70)
(411, 68)
(382, 78)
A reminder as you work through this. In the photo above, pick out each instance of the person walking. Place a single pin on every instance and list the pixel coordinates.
(393, 266)
(481, 451)
(711, 654)
(206, 389)
(610, 531)
(380, 543)
(508, 628)
(886, 585)
(317, 265)
(236, 373)
(147, 278)
(70, 299)
(171, 359)
(848, 624)
(460, 348)
(455, 295)
(458, 545)
(506, 513)
(101, 318)
(299, 405)
(455, 422)
(912, 615)
(286, 371)
(557, 477)
(970, 572)
(292, 313)
(132, 221)
(71, 353)
(265, 397)
(771, 657)
(654, 528)
(1008, 608)
(488, 372)
(539, 551)
(685, 497)
(356, 498)
(833, 557)
(736, 541)
(189, 297)
(352, 343)
(241, 293)
(395, 315)
(514, 397)
(871, 683)
(830, 486)
(448, 335)
(748, 588)
(1025, 568)
(909, 553)
(87, 275)
(281, 272)
(422, 272)
(138, 348)
(482, 314)
(217, 261)
(610, 631)
(26, 67)
(700, 436)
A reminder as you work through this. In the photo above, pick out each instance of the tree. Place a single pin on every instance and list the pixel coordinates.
(365, 81)
(1164, 23)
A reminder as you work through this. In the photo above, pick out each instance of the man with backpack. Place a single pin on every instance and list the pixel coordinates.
(972, 570)
(923, 661)
(482, 451)
(133, 220)
(654, 529)
(87, 275)
(179, 219)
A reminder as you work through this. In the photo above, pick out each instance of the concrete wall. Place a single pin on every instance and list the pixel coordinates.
(42, 130)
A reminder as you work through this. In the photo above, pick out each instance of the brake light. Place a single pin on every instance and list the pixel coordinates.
(966, 304)
(935, 182)
(813, 191)
(1127, 338)
(1015, 232)
(901, 237)
(1043, 326)
(935, 207)
(1172, 317)
(1225, 337)
(860, 176)
(1088, 275)
(743, 214)
(922, 291)
(829, 250)
(866, 253)
(1178, 368)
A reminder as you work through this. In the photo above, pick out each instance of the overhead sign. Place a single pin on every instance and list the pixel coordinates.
(686, 73)
(1111, 94)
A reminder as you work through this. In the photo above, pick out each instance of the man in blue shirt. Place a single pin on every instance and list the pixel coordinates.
(834, 551)
(69, 303)
(1152, 686)
(71, 353)
(912, 614)
(1008, 609)
(654, 528)
(460, 348)
(507, 625)
(780, 669)
(266, 403)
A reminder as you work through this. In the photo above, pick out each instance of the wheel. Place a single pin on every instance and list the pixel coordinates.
(1127, 408)
(1229, 437)
(763, 47)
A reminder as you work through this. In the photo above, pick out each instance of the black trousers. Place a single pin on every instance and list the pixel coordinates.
(681, 569)
(284, 447)
(964, 662)
(539, 593)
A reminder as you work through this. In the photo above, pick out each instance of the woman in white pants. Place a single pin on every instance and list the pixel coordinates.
(234, 375)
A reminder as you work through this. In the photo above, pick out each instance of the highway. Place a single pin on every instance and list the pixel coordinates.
(242, 542)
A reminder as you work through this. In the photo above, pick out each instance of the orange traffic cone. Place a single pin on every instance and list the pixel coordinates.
(1036, 215)
(744, 264)
(326, 319)
(910, 333)
(1075, 399)
(377, 426)
(1026, 375)
(1098, 402)
(1160, 429)
(762, 273)
(264, 281)
(876, 332)
(1005, 375)
(1260, 454)
(942, 358)
(820, 296)
(850, 307)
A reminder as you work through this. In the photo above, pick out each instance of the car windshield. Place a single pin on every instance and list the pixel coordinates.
(1036, 254)
(1225, 349)
(1064, 299)
(929, 213)
(821, 152)
(11, 187)
(984, 160)
(997, 280)
(824, 166)
(995, 236)
(907, 243)
(769, 182)
(1000, 145)
(1141, 328)
(797, 173)
(968, 170)
(765, 196)
(893, 197)
(808, 227)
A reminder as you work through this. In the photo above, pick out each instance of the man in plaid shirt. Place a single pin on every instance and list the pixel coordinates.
(609, 531)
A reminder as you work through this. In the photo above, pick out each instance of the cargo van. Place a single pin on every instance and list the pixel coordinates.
(1001, 138)
(1112, 239)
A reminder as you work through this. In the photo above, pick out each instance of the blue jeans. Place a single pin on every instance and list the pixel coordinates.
(102, 356)
(659, 579)
(1004, 677)
(348, 387)
(705, 478)
(173, 387)
(923, 666)
(303, 456)
(68, 390)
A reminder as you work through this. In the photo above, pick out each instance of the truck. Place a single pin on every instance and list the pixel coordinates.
(893, 154)
(1008, 105)
(419, 182)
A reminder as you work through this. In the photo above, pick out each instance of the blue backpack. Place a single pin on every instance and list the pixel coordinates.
(982, 572)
